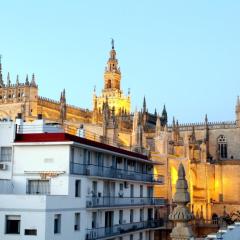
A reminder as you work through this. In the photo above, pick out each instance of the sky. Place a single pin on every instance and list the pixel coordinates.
(185, 54)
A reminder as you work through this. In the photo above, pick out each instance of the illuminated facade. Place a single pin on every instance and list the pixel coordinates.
(22, 100)
(209, 150)
(112, 93)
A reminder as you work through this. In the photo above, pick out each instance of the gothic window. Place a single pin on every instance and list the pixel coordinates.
(222, 146)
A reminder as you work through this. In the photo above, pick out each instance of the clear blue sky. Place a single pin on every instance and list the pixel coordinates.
(185, 54)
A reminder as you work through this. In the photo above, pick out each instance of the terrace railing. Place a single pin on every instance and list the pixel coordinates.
(111, 172)
(98, 202)
(104, 232)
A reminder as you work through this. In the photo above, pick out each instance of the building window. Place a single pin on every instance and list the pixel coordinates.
(141, 215)
(13, 224)
(94, 219)
(121, 186)
(120, 216)
(72, 154)
(6, 154)
(99, 159)
(38, 187)
(140, 236)
(141, 191)
(131, 190)
(77, 222)
(78, 188)
(109, 83)
(89, 157)
(32, 232)
(131, 237)
(94, 189)
(57, 223)
(149, 192)
(120, 190)
(222, 146)
(131, 216)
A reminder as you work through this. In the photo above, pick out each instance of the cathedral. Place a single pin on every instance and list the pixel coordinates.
(209, 151)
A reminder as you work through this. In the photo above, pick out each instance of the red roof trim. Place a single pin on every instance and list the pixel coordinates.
(63, 137)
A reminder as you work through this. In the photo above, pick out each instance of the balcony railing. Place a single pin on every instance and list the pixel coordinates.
(97, 202)
(111, 172)
(104, 232)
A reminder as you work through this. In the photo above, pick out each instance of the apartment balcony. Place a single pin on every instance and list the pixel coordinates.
(111, 172)
(106, 232)
(107, 202)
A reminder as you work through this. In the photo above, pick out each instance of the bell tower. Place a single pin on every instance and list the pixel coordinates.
(112, 75)
(117, 101)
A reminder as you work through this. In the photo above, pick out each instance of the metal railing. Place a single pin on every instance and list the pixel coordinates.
(104, 232)
(90, 135)
(97, 202)
(111, 172)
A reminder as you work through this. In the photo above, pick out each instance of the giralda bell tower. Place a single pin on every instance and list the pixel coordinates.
(112, 93)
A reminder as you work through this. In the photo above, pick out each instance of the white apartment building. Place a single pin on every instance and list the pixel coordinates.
(59, 186)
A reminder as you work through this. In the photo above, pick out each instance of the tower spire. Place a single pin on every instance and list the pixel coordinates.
(1, 77)
(173, 123)
(158, 127)
(17, 80)
(33, 82)
(144, 105)
(164, 116)
(27, 81)
(8, 79)
(206, 118)
(112, 42)
(237, 110)
(112, 75)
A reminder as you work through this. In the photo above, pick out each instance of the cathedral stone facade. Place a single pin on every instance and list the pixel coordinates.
(209, 151)
(22, 100)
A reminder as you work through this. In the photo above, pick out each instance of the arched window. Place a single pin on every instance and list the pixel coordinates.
(109, 83)
(222, 146)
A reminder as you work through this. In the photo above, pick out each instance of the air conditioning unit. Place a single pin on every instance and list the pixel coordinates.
(3, 166)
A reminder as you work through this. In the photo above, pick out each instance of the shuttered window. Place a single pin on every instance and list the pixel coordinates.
(6, 154)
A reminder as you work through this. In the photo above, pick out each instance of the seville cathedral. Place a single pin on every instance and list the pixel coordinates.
(209, 151)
